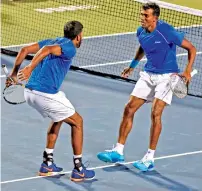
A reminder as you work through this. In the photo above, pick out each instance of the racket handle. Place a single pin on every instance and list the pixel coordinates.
(5, 70)
(194, 72)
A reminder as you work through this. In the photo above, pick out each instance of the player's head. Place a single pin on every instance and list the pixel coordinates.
(73, 31)
(149, 14)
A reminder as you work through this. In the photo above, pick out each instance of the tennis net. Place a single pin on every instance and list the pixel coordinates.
(110, 27)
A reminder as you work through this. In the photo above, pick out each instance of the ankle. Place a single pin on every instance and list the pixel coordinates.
(48, 158)
(149, 155)
(119, 148)
(77, 159)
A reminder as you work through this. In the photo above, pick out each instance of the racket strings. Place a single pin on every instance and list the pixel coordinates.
(178, 86)
(14, 94)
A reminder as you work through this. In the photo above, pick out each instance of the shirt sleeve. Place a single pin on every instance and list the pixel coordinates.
(68, 50)
(172, 35)
(44, 42)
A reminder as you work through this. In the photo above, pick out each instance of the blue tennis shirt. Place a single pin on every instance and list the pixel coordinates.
(160, 48)
(49, 74)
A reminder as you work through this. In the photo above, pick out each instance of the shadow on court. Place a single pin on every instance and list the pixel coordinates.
(153, 177)
(64, 182)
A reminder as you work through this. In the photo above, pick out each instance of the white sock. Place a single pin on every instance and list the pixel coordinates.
(119, 148)
(49, 151)
(149, 155)
(77, 156)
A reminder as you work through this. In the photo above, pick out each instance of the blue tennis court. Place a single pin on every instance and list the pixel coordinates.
(101, 102)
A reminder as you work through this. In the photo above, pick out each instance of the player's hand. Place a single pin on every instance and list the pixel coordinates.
(25, 73)
(12, 79)
(187, 75)
(127, 72)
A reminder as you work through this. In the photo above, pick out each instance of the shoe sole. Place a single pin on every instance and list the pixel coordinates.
(81, 179)
(144, 170)
(50, 173)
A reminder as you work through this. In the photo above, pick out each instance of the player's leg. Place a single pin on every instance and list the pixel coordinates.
(79, 172)
(142, 92)
(147, 162)
(52, 134)
(48, 167)
(156, 124)
(59, 109)
(37, 100)
(163, 96)
(128, 115)
(116, 154)
(76, 123)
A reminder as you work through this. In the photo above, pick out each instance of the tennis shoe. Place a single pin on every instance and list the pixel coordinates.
(82, 175)
(110, 156)
(50, 170)
(144, 166)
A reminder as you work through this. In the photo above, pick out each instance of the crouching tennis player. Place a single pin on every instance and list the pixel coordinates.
(45, 75)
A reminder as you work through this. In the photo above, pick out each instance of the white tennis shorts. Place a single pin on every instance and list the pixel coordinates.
(55, 106)
(151, 86)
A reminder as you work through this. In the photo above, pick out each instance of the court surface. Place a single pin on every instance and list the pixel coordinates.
(101, 101)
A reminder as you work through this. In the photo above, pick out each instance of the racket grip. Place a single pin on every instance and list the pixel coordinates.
(5, 70)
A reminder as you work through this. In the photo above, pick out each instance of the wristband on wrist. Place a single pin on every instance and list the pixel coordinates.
(134, 63)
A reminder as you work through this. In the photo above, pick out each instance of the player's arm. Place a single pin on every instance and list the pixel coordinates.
(178, 38)
(25, 73)
(31, 49)
(191, 57)
(42, 53)
(139, 55)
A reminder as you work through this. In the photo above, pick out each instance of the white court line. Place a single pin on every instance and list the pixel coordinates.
(106, 166)
(101, 36)
(124, 61)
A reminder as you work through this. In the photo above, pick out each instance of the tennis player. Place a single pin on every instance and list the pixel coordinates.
(45, 75)
(158, 42)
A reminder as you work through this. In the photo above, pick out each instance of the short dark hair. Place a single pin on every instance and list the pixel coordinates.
(154, 6)
(72, 29)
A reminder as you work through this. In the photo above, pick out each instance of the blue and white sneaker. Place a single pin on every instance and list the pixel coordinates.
(50, 170)
(144, 166)
(84, 174)
(110, 156)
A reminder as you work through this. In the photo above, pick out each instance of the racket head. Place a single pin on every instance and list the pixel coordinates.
(178, 85)
(14, 94)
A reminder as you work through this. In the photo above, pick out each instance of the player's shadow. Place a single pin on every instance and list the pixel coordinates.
(65, 182)
(153, 177)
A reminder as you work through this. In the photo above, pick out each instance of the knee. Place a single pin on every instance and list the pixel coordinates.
(79, 122)
(156, 115)
(129, 110)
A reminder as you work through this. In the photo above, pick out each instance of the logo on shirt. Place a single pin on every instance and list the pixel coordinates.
(157, 42)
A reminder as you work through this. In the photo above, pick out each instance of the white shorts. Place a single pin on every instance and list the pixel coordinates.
(55, 106)
(151, 86)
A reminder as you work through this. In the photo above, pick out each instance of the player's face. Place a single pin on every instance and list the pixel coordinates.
(147, 18)
(79, 40)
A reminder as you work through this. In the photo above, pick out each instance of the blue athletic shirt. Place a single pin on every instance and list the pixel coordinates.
(160, 47)
(49, 74)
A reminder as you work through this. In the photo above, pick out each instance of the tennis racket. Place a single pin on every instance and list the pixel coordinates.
(14, 94)
(178, 84)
